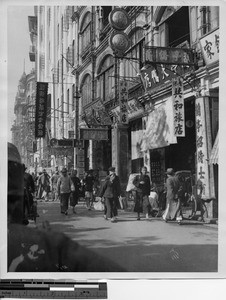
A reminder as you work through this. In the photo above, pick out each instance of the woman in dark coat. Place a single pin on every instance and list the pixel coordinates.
(75, 194)
(143, 187)
(111, 191)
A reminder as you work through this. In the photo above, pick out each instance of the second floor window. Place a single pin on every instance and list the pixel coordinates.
(86, 31)
(106, 80)
(86, 91)
(132, 67)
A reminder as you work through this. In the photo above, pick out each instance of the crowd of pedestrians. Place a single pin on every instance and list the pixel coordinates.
(67, 188)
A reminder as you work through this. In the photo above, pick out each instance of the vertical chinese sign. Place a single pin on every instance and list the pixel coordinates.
(41, 109)
(178, 107)
(123, 102)
(210, 47)
(201, 147)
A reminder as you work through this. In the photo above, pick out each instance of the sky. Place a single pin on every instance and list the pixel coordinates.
(18, 53)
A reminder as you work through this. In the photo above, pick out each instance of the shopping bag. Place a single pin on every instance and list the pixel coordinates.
(98, 205)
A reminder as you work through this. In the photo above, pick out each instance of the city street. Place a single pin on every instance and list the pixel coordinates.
(138, 246)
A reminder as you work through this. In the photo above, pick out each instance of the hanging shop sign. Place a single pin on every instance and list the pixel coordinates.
(41, 109)
(93, 134)
(178, 107)
(170, 56)
(96, 114)
(123, 101)
(201, 148)
(154, 76)
(210, 47)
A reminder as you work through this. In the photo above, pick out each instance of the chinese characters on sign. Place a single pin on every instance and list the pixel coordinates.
(178, 107)
(201, 146)
(41, 109)
(93, 134)
(155, 76)
(172, 56)
(210, 47)
(123, 102)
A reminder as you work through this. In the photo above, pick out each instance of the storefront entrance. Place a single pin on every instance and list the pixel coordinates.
(181, 156)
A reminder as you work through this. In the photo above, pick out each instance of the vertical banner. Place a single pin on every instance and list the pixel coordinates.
(201, 148)
(178, 107)
(123, 102)
(41, 109)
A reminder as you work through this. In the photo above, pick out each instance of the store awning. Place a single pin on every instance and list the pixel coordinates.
(214, 153)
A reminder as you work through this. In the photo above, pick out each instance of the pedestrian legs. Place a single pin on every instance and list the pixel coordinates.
(110, 209)
(88, 199)
(64, 203)
(146, 206)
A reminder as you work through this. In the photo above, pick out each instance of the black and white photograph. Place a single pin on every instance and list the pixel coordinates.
(111, 118)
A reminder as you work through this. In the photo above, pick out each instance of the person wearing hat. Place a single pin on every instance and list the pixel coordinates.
(64, 187)
(111, 191)
(88, 182)
(173, 203)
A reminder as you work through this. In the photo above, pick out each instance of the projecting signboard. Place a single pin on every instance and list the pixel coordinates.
(169, 56)
(93, 134)
(210, 47)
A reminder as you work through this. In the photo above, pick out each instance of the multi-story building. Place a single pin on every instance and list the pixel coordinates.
(23, 127)
(171, 117)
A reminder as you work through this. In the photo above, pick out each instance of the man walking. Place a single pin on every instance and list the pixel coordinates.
(64, 187)
(111, 191)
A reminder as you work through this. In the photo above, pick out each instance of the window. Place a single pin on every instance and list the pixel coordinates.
(105, 11)
(175, 30)
(106, 80)
(58, 108)
(132, 67)
(73, 53)
(58, 34)
(86, 31)
(68, 101)
(209, 18)
(72, 97)
(86, 91)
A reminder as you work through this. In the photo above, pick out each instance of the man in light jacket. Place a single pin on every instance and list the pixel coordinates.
(64, 187)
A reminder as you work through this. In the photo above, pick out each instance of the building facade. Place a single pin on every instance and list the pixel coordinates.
(23, 127)
(171, 115)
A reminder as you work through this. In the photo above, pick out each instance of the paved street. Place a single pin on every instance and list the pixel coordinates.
(138, 246)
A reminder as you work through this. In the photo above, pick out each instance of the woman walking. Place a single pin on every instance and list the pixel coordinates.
(143, 187)
(111, 191)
